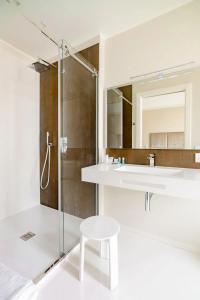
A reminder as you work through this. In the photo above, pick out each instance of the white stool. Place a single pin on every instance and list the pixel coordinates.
(101, 229)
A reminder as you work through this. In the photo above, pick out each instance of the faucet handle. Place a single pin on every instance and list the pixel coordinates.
(151, 158)
(151, 155)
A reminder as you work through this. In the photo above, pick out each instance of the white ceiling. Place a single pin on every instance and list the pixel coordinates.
(74, 20)
(164, 101)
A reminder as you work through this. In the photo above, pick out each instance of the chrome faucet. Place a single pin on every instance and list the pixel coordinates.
(151, 158)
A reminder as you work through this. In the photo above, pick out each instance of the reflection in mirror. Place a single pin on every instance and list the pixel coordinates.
(161, 112)
(114, 119)
(163, 121)
(119, 117)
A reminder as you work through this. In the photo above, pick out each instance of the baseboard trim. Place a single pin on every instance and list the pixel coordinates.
(170, 242)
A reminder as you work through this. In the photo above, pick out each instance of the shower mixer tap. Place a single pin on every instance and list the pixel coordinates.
(63, 144)
(49, 143)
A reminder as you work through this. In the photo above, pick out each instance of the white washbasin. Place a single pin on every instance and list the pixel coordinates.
(149, 170)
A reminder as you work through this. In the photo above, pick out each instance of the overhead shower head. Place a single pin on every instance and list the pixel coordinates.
(40, 67)
(15, 2)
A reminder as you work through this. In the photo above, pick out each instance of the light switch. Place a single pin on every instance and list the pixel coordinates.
(197, 157)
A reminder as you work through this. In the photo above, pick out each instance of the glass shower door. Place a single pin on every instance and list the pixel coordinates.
(78, 141)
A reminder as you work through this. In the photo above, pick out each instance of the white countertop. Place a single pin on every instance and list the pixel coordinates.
(184, 184)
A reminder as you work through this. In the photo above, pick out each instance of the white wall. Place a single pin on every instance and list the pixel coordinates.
(166, 41)
(19, 132)
(173, 220)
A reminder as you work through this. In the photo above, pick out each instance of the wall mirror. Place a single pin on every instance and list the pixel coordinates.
(158, 112)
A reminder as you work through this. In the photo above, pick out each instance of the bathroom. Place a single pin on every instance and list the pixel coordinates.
(77, 104)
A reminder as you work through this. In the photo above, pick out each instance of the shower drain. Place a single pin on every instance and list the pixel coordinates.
(27, 236)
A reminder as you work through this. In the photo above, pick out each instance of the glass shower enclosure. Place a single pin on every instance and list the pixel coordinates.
(58, 89)
(78, 142)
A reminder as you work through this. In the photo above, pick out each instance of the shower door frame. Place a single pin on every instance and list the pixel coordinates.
(62, 49)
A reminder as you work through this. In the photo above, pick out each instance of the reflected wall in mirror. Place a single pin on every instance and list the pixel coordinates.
(162, 120)
(160, 112)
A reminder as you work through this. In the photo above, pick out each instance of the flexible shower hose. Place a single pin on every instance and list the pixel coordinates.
(47, 157)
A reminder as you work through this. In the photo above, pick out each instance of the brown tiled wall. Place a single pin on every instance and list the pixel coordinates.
(167, 158)
(49, 122)
(127, 116)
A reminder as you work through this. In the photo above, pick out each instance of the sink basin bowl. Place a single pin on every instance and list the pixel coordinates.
(148, 170)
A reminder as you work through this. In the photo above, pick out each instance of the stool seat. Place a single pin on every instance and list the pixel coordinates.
(99, 228)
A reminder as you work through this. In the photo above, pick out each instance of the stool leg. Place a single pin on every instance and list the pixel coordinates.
(104, 251)
(113, 262)
(82, 257)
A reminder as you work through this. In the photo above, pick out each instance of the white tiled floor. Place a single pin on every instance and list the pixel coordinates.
(32, 257)
(149, 270)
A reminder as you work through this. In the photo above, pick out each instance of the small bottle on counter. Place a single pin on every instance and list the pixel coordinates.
(119, 160)
(123, 161)
(115, 161)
